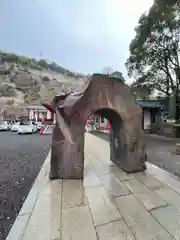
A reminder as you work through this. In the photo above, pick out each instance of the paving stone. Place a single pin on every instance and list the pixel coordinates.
(77, 224)
(120, 174)
(114, 231)
(170, 196)
(90, 178)
(100, 168)
(73, 194)
(135, 186)
(52, 187)
(149, 181)
(148, 198)
(173, 183)
(169, 218)
(45, 221)
(102, 208)
(140, 221)
(113, 186)
(165, 177)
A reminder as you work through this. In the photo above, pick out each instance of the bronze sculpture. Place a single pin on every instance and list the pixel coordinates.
(108, 97)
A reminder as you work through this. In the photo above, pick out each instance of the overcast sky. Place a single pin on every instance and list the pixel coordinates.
(81, 35)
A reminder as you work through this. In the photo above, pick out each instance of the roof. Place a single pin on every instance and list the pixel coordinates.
(142, 103)
(149, 103)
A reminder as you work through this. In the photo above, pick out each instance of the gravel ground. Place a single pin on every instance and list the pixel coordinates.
(21, 157)
(160, 153)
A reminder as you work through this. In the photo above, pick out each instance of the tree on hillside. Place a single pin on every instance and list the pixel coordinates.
(154, 52)
(8, 57)
(43, 63)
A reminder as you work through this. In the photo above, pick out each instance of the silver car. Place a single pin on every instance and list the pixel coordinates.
(4, 126)
(27, 127)
(15, 126)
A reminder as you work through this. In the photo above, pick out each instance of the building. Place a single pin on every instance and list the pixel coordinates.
(39, 113)
(151, 113)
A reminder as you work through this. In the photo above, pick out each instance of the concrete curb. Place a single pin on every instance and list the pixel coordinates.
(24, 215)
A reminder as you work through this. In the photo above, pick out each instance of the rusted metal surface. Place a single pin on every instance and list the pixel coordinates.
(110, 98)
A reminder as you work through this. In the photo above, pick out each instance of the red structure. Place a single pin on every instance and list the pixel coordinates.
(109, 126)
(49, 108)
(40, 113)
(49, 121)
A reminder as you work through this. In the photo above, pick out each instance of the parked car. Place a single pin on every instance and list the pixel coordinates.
(4, 126)
(9, 125)
(40, 125)
(14, 127)
(27, 127)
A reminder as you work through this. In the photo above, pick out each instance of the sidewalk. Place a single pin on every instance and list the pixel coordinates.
(107, 205)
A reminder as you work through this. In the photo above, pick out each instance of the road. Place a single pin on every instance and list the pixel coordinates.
(160, 153)
(21, 157)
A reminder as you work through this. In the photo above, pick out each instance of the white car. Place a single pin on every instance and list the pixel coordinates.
(39, 125)
(4, 126)
(27, 127)
(14, 127)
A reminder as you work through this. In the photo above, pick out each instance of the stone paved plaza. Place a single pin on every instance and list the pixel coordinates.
(107, 205)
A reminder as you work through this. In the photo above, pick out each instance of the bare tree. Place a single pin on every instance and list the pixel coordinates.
(107, 70)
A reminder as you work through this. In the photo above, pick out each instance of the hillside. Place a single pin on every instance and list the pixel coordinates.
(28, 81)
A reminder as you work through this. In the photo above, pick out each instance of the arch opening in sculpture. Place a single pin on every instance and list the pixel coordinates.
(108, 97)
(115, 133)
